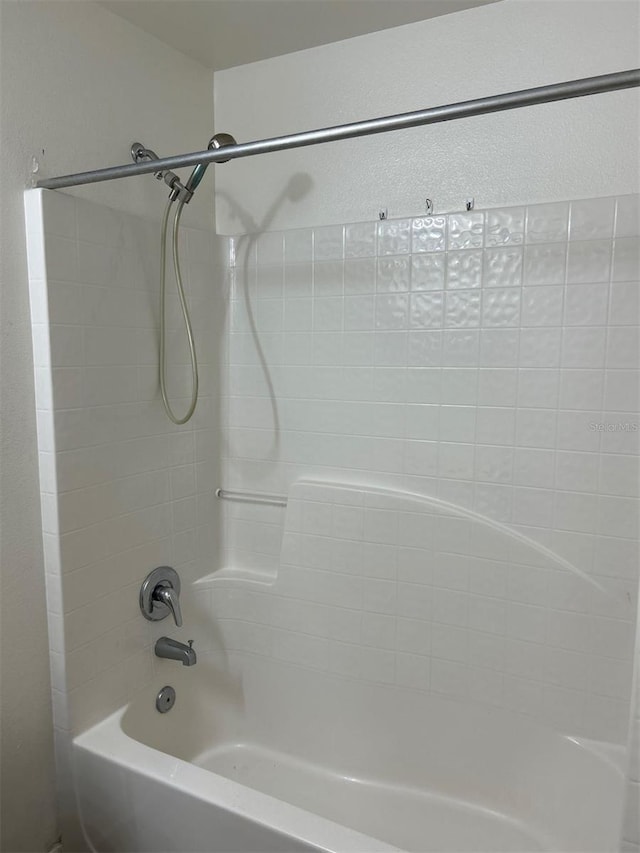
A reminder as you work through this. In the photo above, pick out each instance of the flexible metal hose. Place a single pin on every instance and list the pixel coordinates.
(185, 314)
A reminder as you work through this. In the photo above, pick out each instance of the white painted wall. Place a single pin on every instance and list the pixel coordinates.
(81, 84)
(577, 149)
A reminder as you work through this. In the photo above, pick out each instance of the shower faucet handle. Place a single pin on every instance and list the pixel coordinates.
(160, 595)
(167, 595)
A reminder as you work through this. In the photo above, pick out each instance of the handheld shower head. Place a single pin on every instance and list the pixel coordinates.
(219, 140)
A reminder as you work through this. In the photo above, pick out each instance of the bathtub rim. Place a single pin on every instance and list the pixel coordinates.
(107, 738)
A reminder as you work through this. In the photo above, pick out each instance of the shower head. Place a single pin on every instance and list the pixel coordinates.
(219, 140)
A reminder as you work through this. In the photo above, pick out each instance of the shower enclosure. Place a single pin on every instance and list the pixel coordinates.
(404, 516)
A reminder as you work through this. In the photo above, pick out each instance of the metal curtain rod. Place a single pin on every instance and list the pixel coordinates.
(433, 115)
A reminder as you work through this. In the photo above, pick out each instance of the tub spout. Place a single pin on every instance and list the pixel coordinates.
(173, 650)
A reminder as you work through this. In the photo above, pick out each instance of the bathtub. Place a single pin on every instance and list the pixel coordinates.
(258, 755)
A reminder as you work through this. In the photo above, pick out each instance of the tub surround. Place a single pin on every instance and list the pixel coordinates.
(432, 395)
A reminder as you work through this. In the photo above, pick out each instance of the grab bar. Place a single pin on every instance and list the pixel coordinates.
(251, 497)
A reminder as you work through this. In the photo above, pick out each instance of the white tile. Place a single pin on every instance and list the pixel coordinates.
(426, 310)
(428, 271)
(622, 390)
(542, 306)
(359, 275)
(298, 246)
(619, 433)
(591, 219)
(618, 516)
(270, 248)
(464, 269)
(327, 314)
(412, 671)
(497, 387)
(581, 389)
(535, 428)
(391, 311)
(456, 461)
(628, 216)
(494, 464)
(466, 230)
(458, 386)
(59, 213)
(328, 278)
(451, 607)
(624, 306)
(577, 471)
(532, 507)
(457, 423)
(428, 234)
(626, 259)
(577, 512)
(503, 267)
(499, 348)
(589, 261)
(393, 275)
(586, 304)
(394, 237)
(379, 596)
(449, 643)
(585, 347)
(462, 309)
(61, 258)
(495, 425)
(527, 622)
(460, 347)
(501, 307)
(623, 347)
(298, 280)
(421, 458)
(505, 226)
(547, 223)
(540, 347)
(579, 430)
(360, 240)
(545, 264)
(449, 678)
(538, 388)
(619, 475)
(378, 630)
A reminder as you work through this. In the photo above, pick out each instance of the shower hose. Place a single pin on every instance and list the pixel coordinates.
(185, 315)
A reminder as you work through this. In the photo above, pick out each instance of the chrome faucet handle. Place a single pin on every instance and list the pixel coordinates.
(160, 595)
(168, 596)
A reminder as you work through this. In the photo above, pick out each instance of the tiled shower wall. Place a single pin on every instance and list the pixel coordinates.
(123, 490)
(488, 359)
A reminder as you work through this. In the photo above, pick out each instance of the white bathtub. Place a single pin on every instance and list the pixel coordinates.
(283, 759)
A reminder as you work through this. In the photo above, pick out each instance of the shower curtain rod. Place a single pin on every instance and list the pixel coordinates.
(433, 115)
